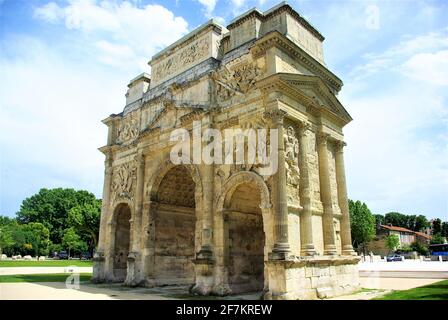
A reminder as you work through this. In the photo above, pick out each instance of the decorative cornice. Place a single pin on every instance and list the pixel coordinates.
(264, 16)
(276, 39)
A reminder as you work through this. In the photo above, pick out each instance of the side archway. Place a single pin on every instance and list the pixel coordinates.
(245, 211)
(121, 235)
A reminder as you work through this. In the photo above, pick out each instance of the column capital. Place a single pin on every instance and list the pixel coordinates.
(303, 126)
(340, 145)
(322, 138)
(275, 116)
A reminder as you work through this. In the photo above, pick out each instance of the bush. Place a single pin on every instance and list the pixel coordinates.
(406, 248)
(420, 248)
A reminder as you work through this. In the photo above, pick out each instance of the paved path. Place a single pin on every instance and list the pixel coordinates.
(407, 265)
(58, 291)
(39, 270)
(404, 269)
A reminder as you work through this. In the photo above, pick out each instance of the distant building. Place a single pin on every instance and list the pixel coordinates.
(405, 236)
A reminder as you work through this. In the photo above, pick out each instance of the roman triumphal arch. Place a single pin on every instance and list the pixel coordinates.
(225, 170)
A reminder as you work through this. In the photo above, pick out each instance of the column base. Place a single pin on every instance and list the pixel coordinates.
(203, 267)
(330, 250)
(308, 250)
(309, 278)
(221, 290)
(98, 267)
(279, 252)
(347, 250)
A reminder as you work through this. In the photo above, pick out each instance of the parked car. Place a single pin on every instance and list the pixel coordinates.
(394, 257)
(86, 256)
(63, 255)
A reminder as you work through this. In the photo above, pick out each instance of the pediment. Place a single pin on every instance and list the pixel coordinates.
(314, 93)
(172, 115)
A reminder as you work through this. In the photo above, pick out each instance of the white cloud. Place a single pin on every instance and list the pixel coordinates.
(54, 93)
(50, 120)
(396, 158)
(238, 3)
(209, 6)
(111, 25)
(406, 53)
(50, 12)
(428, 67)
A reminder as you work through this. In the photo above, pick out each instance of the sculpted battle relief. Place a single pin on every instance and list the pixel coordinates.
(193, 52)
(128, 130)
(123, 181)
(238, 81)
(292, 156)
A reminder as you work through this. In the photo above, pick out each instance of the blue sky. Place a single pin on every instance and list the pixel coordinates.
(65, 66)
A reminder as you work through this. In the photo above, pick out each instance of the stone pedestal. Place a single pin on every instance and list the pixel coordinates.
(204, 276)
(312, 277)
(98, 267)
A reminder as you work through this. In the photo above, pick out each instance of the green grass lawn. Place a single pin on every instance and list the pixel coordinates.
(48, 263)
(56, 277)
(435, 291)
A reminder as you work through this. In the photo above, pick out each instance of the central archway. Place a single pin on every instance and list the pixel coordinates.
(175, 219)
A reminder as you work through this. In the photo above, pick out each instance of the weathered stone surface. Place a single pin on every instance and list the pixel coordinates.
(229, 228)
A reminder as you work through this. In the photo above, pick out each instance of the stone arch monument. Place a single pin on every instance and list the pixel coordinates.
(224, 228)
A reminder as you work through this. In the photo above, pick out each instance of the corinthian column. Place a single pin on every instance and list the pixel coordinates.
(325, 193)
(206, 250)
(281, 244)
(105, 202)
(346, 238)
(136, 243)
(306, 223)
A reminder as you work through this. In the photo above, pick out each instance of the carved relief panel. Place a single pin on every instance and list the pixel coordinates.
(128, 129)
(291, 144)
(124, 181)
(236, 81)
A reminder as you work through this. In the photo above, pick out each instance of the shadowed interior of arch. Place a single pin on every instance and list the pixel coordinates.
(122, 241)
(246, 240)
(175, 221)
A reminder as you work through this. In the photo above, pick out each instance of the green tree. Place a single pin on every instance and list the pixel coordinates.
(411, 222)
(85, 218)
(436, 226)
(445, 229)
(38, 236)
(421, 223)
(379, 219)
(6, 238)
(396, 219)
(437, 239)
(72, 241)
(362, 223)
(392, 242)
(51, 208)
